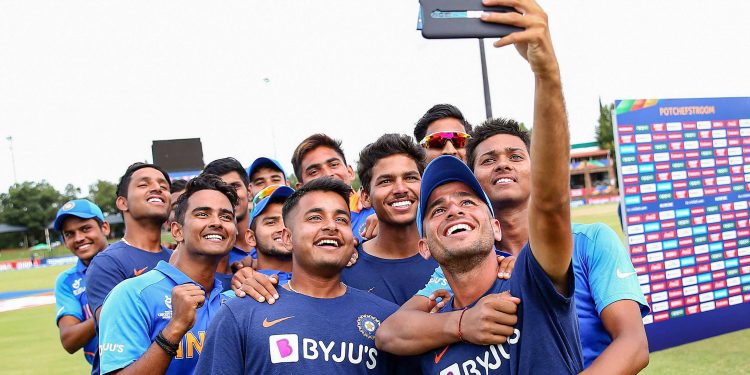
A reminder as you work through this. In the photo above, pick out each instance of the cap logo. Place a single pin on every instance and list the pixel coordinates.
(68, 206)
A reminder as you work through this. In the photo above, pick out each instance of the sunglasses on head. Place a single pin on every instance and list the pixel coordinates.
(437, 140)
(265, 193)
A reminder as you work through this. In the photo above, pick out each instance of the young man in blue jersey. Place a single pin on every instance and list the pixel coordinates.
(144, 201)
(264, 172)
(157, 323)
(84, 232)
(266, 230)
(390, 265)
(609, 308)
(320, 325)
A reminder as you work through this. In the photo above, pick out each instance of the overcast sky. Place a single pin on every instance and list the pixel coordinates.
(86, 86)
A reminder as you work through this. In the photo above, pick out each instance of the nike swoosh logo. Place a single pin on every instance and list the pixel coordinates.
(622, 275)
(140, 271)
(370, 290)
(267, 324)
(438, 357)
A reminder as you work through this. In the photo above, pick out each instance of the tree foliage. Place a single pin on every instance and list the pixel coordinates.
(104, 194)
(604, 132)
(31, 204)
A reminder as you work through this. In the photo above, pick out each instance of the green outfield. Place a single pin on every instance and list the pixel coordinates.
(30, 342)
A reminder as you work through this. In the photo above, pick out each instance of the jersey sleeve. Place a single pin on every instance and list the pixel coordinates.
(437, 281)
(124, 334)
(224, 348)
(611, 275)
(103, 275)
(532, 274)
(67, 304)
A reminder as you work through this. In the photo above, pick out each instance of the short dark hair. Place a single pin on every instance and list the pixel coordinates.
(324, 184)
(437, 112)
(311, 143)
(226, 165)
(387, 145)
(203, 182)
(491, 127)
(122, 186)
(178, 185)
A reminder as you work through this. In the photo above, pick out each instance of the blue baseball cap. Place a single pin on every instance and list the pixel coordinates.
(440, 171)
(80, 208)
(279, 192)
(264, 162)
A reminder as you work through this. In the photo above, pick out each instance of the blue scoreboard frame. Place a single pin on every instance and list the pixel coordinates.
(684, 174)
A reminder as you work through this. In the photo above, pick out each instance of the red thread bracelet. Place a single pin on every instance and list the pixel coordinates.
(460, 318)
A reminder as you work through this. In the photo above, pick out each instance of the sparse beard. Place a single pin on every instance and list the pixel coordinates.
(274, 252)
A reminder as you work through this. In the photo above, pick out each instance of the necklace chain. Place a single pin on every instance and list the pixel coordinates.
(289, 284)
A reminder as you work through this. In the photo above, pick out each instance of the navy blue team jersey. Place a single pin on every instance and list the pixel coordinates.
(118, 262)
(395, 280)
(138, 309)
(545, 339)
(70, 298)
(299, 334)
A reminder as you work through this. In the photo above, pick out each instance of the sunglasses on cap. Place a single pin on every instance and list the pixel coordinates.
(265, 193)
(437, 140)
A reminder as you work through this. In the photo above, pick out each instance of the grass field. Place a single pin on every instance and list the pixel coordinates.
(30, 342)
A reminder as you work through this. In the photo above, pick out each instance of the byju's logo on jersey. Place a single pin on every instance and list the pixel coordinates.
(367, 325)
(167, 314)
(283, 348)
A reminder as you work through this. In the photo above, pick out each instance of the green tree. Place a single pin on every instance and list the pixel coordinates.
(604, 132)
(71, 192)
(32, 205)
(104, 194)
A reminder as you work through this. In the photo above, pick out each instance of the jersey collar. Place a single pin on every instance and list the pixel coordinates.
(179, 278)
(81, 267)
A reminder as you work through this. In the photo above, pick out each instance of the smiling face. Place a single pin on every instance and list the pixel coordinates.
(459, 230)
(320, 232)
(84, 237)
(234, 179)
(325, 161)
(267, 234)
(148, 196)
(394, 189)
(503, 168)
(209, 226)
(448, 124)
(264, 177)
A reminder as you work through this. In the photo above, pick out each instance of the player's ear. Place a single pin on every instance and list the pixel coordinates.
(366, 200)
(350, 171)
(176, 229)
(286, 238)
(424, 250)
(250, 238)
(297, 185)
(121, 203)
(105, 228)
(496, 230)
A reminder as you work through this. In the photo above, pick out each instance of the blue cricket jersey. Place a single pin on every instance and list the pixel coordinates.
(395, 280)
(545, 339)
(284, 277)
(359, 219)
(70, 298)
(604, 275)
(118, 262)
(237, 254)
(299, 334)
(138, 309)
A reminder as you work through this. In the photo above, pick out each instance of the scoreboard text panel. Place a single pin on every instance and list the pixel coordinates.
(684, 169)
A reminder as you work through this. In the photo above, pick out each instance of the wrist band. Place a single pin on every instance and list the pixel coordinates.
(460, 318)
(169, 347)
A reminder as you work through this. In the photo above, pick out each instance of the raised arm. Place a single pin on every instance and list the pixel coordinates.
(549, 206)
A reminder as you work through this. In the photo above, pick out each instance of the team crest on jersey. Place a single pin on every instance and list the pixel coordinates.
(167, 314)
(367, 325)
(77, 290)
(68, 206)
